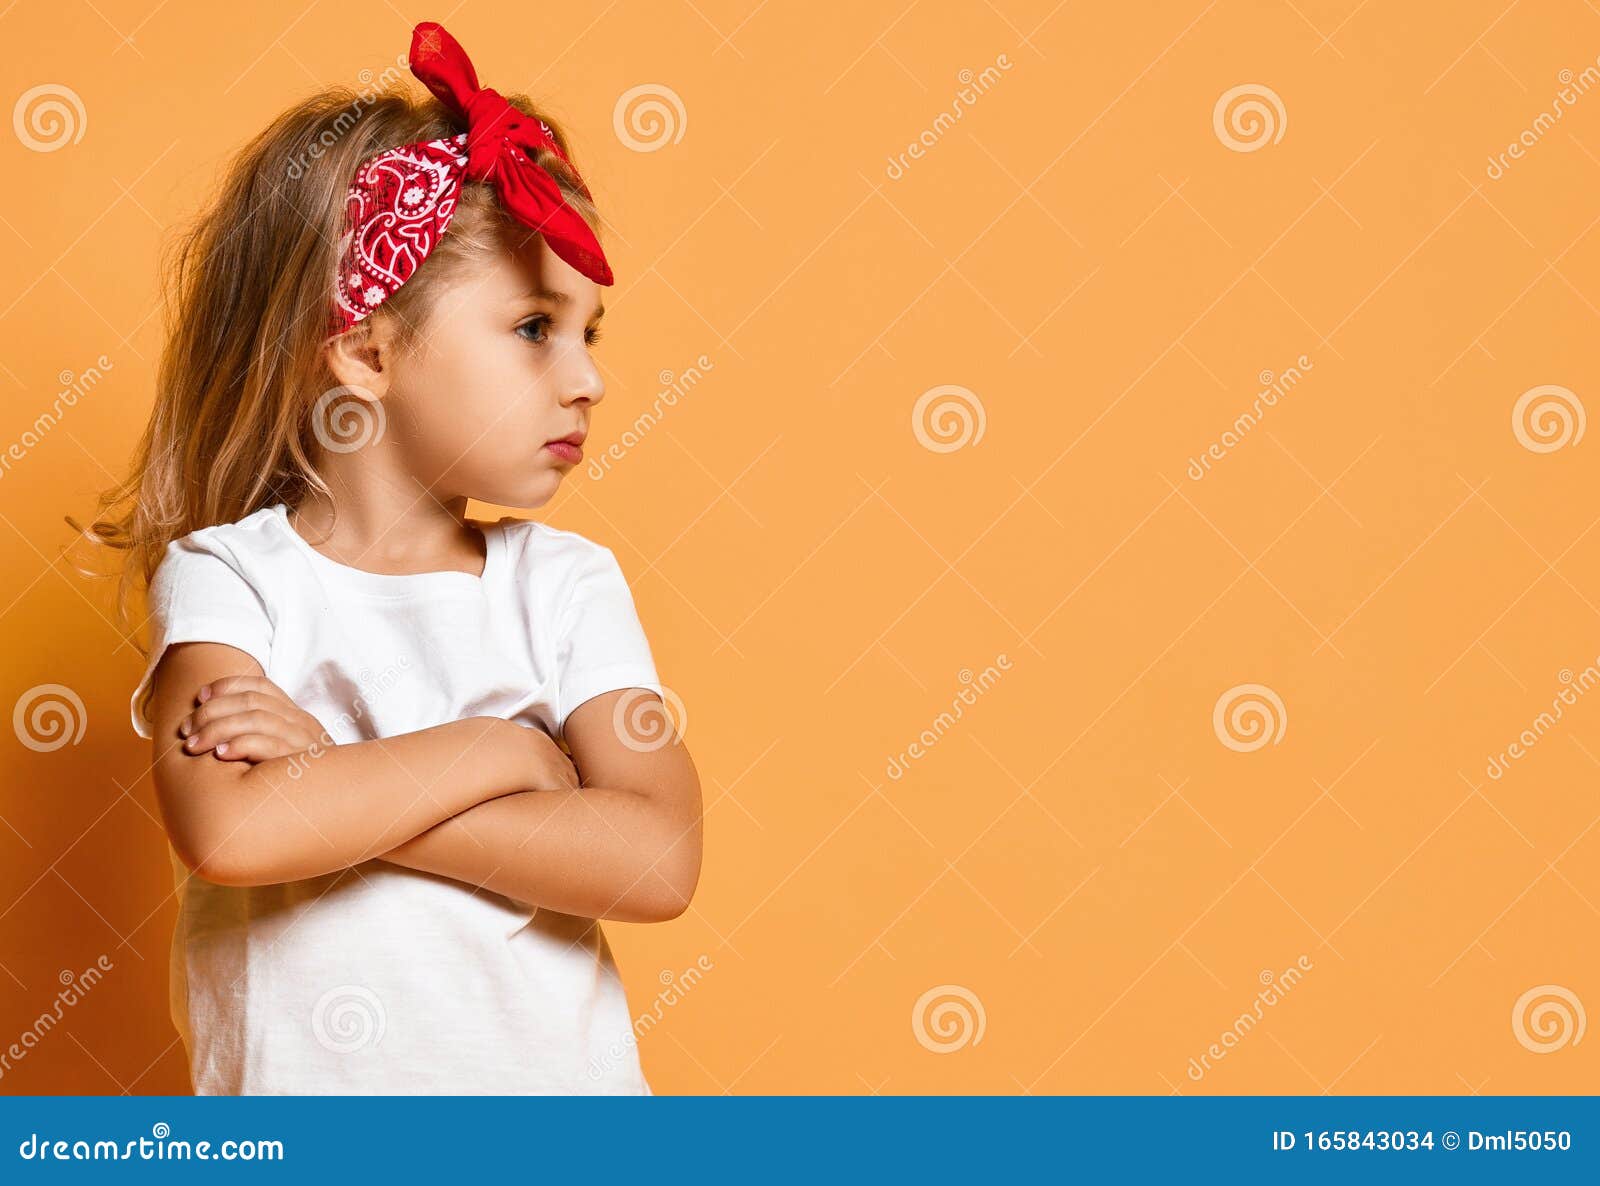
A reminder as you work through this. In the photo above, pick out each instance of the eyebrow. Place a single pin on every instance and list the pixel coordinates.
(559, 298)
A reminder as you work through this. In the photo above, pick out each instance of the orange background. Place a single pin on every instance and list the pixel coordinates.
(1083, 253)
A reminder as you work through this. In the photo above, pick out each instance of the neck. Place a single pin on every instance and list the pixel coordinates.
(384, 521)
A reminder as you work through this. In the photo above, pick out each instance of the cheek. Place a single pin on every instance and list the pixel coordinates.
(472, 403)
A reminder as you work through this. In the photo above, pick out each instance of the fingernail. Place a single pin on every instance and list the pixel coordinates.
(222, 747)
(205, 693)
(189, 743)
(185, 728)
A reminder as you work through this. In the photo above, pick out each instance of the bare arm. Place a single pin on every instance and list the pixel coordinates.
(625, 844)
(306, 814)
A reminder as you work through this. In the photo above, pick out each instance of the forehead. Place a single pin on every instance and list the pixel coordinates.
(529, 270)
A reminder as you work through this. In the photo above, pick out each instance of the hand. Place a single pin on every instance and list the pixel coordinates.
(249, 717)
(549, 768)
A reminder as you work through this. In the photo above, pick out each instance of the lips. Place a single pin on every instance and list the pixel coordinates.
(569, 448)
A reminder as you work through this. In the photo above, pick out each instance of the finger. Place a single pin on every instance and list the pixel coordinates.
(253, 747)
(235, 702)
(236, 724)
(238, 683)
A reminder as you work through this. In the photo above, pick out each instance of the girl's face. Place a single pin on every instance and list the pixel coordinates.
(500, 373)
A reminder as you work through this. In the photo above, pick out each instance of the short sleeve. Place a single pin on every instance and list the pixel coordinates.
(200, 594)
(601, 645)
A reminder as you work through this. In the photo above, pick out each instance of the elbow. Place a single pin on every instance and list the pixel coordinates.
(674, 880)
(661, 905)
(206, 833)
(222, 864)
(202, 853)
(213, 849)
(220, 873)
(224, 854)
(665, 904)
(658, 889)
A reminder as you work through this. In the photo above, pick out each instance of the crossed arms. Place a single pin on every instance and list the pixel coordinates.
(614, 832)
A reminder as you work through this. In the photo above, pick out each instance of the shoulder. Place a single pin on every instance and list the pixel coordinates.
(558, 569)
(251, 549)
(552, 554)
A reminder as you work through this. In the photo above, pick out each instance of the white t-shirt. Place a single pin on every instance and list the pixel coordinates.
(377, 979)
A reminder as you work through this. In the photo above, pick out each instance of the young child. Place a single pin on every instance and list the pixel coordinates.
(405, 761)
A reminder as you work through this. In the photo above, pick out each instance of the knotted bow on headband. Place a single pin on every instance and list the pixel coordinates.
(400, 203)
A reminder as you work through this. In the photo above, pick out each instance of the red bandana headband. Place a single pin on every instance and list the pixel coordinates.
(401, 201)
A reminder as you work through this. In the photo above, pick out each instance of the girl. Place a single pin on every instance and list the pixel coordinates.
(405, 761)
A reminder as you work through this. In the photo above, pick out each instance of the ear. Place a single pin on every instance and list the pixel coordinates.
(363, 356)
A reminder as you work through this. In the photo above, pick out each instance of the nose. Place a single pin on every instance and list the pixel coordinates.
(582, 381)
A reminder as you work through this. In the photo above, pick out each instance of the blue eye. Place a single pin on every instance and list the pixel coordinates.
(541, 327)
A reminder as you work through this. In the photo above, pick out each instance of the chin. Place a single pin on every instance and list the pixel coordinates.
(533, 493)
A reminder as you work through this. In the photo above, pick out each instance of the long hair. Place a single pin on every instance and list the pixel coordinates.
(248, 287)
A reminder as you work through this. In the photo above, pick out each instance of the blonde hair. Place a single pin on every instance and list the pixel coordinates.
(248, 293)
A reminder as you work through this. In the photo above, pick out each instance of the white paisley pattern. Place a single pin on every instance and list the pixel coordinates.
(400, 204)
